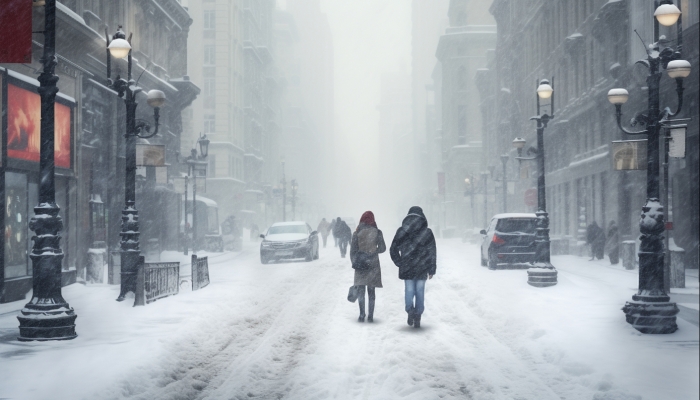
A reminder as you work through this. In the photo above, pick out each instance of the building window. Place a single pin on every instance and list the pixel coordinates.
(209, 124)
(209, 55)
(209, 20)
(208, 92)
(212, 165)
(461, 124)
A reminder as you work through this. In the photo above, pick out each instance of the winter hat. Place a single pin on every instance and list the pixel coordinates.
(416, 211)
(368, 219)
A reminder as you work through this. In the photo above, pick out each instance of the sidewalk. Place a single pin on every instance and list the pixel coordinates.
(688, 298)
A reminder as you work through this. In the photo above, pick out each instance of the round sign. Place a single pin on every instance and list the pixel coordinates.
(531, 197)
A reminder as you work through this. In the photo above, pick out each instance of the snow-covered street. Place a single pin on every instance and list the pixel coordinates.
(287, 331)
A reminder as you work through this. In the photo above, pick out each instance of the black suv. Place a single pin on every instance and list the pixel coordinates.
(509, 241)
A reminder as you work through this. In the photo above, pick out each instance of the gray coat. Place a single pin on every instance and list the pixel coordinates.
(368, 239)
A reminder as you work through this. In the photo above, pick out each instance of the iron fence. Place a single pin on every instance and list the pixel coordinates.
(200, 272)
(156, 280)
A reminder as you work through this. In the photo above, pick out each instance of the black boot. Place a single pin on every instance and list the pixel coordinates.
(416, 321)
(372, 297)
(361, 303)
(410, 318)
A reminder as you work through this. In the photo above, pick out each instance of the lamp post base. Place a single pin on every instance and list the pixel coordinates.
(542, 275)
(651, 316)
(43, 325)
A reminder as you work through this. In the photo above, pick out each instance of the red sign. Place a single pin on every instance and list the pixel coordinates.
(669, 225)
(531, 197)
(16, 31)
(441, 183)
(24, 127)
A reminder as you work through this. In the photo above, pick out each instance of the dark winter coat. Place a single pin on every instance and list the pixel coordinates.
(413, 249)
(595, 235)
(613, 243)
(342, 231)
(332, 227)
(370, 240)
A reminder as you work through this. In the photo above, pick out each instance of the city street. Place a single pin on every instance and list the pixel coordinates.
(287, 331)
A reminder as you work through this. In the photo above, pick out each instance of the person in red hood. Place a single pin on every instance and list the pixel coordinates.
(367, 243)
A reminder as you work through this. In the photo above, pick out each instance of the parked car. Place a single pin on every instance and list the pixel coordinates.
(289, 240)
(509, 239)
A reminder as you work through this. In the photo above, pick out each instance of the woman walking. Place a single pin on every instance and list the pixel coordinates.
(367, 243)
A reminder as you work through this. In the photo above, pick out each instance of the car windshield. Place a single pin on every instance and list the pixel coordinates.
(517, 225)
(276, 230)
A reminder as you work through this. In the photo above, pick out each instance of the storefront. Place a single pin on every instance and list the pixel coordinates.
(19, 178)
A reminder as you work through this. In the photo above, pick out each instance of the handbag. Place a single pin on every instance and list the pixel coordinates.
(363, 261)
(352, 294)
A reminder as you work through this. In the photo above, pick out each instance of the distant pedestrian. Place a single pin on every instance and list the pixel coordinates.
(367, 243)
(334, 232)
(596, 238)
(324, 229)
(344, 235)
(413, 250)
(613, 243)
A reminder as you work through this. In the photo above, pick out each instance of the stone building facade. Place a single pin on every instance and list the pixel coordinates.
(90, 184)
(588, 47)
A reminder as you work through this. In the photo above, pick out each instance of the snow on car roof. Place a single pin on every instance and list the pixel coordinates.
(289, 223)
(515, 215)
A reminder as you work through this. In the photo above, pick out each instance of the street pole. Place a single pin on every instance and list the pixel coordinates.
(130, 251)
(486, 212)
(187, 235)
(284, 195)
(47, 316)
(651, 310)
(504, 160)
(194, 211)
(542, 233)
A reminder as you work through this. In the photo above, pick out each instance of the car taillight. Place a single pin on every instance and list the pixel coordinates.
(497, 240)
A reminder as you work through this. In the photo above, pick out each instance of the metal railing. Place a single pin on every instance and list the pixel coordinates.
(156, 280)
(200, 272)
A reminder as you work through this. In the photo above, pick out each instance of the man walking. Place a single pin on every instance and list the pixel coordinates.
(344, 235)
(413, 250)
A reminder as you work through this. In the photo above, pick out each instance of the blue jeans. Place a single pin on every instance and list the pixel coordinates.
(415, 288)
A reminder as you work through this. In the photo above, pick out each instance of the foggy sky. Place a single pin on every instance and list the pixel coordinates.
(370, 37)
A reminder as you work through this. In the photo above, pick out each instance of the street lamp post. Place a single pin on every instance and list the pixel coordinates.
(284, 195)
(469, 182)
(193, 161)
(504, 160)
(650, 310)
(294, 198)
(544, 274)
(119, 47)
(47, 316)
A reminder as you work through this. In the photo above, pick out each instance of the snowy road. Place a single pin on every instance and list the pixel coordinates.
(286, 331)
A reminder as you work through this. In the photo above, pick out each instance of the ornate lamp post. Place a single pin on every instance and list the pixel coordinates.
(47, 316)
(119, 47)
(650, 310)
(504, 160)
(543, 274)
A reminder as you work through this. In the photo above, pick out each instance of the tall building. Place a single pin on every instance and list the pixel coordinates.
(461, 52)
(231, 48)
(429, 20)
(313, 79)
(91, 123)
(589, 47)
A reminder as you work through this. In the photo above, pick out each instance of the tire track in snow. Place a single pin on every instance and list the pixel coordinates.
(196, 361)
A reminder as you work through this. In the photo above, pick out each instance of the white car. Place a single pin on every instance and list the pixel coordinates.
(289, 240)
